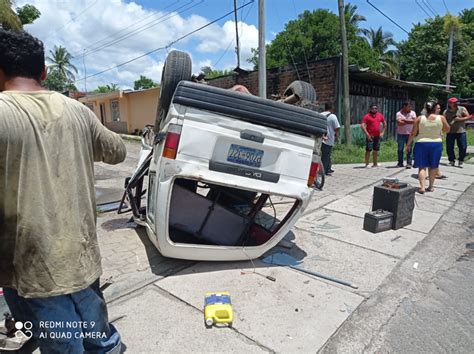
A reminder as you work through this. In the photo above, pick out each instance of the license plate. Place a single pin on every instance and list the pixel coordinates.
(244, 155)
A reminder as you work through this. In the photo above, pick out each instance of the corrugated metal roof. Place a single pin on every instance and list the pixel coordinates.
(373, 77)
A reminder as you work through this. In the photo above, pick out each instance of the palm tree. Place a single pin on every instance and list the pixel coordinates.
(381, 41)
(61, 62)
(113, 87)
(352, 17)
(9, 20)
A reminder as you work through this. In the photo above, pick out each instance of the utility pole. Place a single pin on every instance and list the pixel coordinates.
(450, 57)
(262, 66)
(345, 76)
(237, 48)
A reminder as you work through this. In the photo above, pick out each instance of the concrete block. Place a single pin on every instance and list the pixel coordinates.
(352, 205)
(367, 269)
(156, 322)
(443, 194)
(296, 313)
(348, 228)
(423, 221)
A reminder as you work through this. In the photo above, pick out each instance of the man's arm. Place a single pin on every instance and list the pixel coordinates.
(465, 116)
(414, 132)
(446, 126)
(400, 119)
(108, 146)
(364, 129)
(336, 134)
(384, 126)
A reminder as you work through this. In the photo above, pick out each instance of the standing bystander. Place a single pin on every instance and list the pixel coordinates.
(330, 139)
(427, 132)
(49, 253)
(456, 117)
(371, 127)
(405, 119)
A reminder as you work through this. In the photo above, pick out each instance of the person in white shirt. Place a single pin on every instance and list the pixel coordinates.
(405, 119)
(330, 139)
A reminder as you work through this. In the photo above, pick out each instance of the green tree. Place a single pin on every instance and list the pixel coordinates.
(211, 73)
(106, 88)
(352, 17)
(60, 61)
(27, 14)
(11, 20)
(144, 83)
(56, 82)
(423, 55)
(381, 42)
(316, 35)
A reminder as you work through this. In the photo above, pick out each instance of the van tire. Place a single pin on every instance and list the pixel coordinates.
(251, 108)
(304, 90)
(178, 67)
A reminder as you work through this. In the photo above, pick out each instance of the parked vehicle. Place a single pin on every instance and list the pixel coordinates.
(228, 174)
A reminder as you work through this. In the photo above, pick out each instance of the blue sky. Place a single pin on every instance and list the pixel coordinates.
(96, 22)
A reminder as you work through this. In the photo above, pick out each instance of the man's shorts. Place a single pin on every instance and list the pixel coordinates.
(372, 145)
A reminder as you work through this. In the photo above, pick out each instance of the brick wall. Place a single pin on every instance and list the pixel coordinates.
(323, 78)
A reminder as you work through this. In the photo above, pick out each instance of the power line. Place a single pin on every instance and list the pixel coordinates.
(233, 39)
(140, 29)
(302, 44)
(445, 6)
(137, 30)
(396, 24)
(428, 6)
(79, 14)
(168, 45)
(153, 14)
(421, 7)
(288, 45)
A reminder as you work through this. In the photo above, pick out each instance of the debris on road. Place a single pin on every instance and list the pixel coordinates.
(218, 309)
(285, 260)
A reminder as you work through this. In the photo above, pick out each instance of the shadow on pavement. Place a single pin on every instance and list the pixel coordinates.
(164, 266)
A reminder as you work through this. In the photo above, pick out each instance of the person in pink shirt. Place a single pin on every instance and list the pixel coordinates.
(371, 127)
(405, 119)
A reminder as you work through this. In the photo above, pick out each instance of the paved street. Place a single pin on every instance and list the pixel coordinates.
(414, 283)
(157, 303)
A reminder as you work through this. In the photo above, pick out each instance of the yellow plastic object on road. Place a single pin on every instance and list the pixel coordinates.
(218, 309)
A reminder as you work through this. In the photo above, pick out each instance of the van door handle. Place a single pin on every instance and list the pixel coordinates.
(252, 136)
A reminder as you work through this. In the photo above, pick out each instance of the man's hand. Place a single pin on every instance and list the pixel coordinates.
(408, 148)
(369, 138)
(381, 134)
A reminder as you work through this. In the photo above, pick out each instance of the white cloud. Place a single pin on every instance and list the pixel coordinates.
(67, 24)
(216, 38)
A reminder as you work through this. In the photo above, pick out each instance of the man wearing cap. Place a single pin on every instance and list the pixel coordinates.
(371, 128)
(456, 116)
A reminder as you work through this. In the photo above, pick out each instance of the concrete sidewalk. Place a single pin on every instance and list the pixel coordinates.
(157, 303)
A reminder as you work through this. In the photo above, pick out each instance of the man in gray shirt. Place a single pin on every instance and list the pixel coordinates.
(49, 253)
(456, 117)
(330, 139)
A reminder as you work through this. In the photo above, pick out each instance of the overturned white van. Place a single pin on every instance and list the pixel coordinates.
(215, 165)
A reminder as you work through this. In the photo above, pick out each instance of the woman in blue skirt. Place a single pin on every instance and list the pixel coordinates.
(427, 132)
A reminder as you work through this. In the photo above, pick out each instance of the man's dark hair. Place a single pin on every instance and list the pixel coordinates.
(21, 54)
(373, 105)
(406, 104)
(328, 106)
